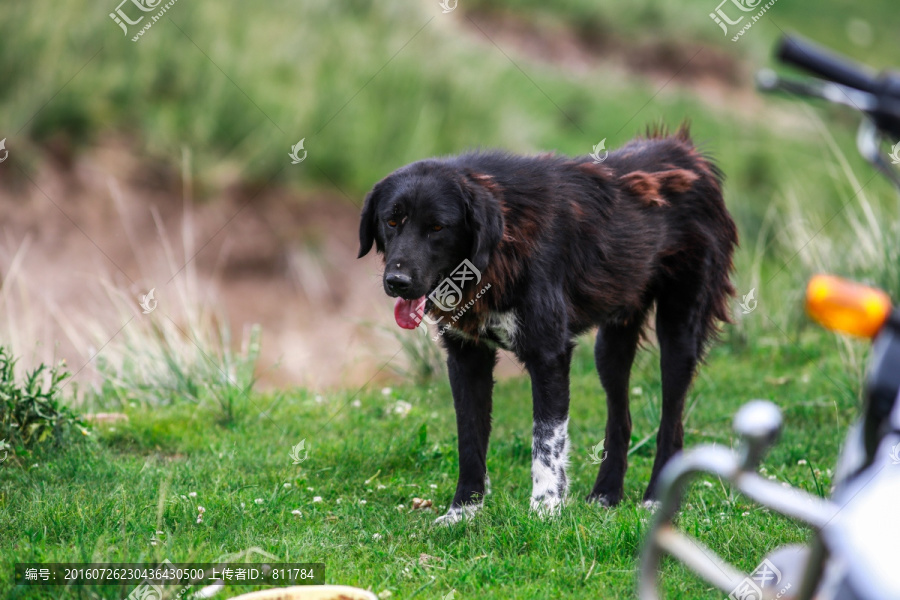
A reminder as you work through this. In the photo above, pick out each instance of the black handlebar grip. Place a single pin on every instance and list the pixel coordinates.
(821, 62)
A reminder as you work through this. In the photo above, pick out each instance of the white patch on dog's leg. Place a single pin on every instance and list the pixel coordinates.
(458, 513)
(549, 458)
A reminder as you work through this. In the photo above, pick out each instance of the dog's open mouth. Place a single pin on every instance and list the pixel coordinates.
(408, 313)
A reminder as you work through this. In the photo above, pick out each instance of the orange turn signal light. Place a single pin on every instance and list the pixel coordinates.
(846, 306)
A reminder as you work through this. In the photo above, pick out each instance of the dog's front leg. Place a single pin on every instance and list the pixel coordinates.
(549, 372)
(471, 369)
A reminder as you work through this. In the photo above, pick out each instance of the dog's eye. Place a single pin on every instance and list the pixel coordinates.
(437, 227)
(392, 223)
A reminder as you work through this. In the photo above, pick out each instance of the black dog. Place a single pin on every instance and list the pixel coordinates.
(563, 244)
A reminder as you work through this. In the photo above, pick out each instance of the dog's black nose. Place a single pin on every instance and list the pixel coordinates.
(398, 283)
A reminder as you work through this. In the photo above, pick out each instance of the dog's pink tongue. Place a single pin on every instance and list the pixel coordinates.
(408, 313)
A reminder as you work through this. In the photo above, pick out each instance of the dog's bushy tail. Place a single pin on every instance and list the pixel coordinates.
(719, 289)
(708, 217)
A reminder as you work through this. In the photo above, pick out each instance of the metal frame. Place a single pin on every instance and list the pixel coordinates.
(758, 424)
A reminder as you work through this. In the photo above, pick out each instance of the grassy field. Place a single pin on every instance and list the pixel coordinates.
(371, 86)
(142, 482)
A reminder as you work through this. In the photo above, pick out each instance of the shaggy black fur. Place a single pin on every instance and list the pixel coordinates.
(566, 244)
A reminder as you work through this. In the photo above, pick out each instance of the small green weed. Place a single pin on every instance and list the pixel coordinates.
(30, 412)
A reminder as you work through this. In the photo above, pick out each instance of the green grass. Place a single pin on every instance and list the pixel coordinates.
(106, 501)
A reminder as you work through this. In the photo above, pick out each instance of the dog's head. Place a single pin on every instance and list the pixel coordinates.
(426, 218)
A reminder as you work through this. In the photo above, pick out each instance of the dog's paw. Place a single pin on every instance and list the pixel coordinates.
(546, 506)
(604, 500)
(601, 501)
(457, 514)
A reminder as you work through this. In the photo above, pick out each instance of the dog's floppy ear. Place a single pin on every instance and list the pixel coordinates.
(367, 226)
(483, 214)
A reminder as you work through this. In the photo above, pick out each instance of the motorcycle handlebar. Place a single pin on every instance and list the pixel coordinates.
(884, 88)
(823, 63)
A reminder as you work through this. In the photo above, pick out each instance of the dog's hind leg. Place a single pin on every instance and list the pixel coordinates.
(681, 329)
(614, 354)
(471, 367)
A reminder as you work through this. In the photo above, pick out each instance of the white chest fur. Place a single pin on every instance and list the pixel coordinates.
(504, 327)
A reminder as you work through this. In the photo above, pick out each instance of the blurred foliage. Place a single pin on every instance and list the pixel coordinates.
(372, 86)
(863, 30)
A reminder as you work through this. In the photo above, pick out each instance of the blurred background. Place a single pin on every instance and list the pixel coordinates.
(163, 164)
